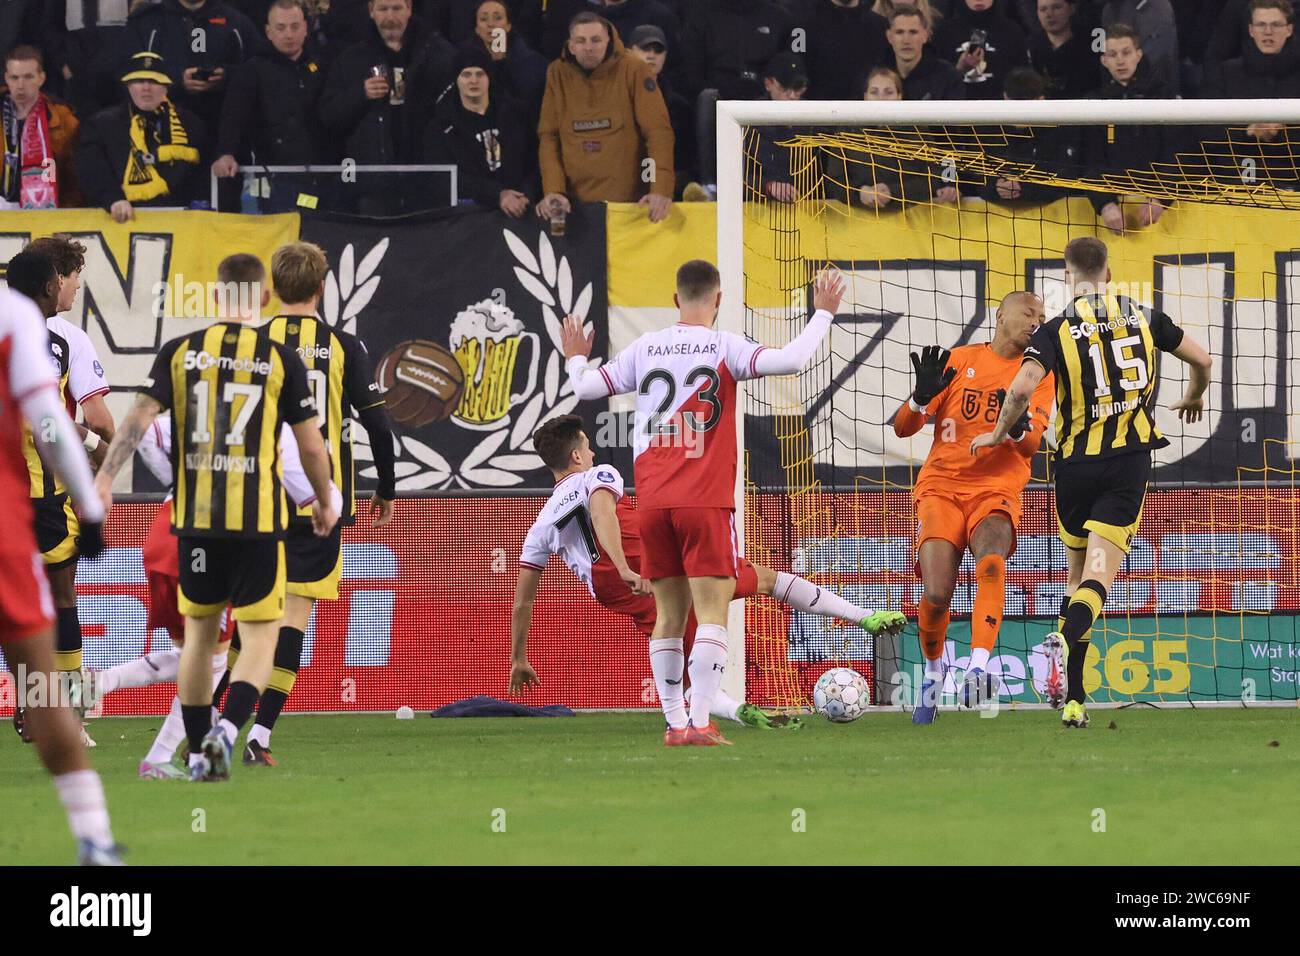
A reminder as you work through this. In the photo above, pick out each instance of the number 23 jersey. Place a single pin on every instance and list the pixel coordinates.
(684, 445)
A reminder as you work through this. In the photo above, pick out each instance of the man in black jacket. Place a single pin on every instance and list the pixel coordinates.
(143, 152)
(380, 92)
(1269, 68)
(1231, 30)
(845, 40)
(86, 42)
(727, 43)
(925, 76)
(485, 137)
(1122, 148)
(650, 45)
(270, 107)
(984, 46)
(173, 29)
(1047, 149)
(1062, 52)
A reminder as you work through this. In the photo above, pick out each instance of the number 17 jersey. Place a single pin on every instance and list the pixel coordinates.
(229, 387)
(684, 443)
(564, 526)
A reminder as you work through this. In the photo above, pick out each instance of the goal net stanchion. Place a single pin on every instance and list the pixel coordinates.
(1203, 611)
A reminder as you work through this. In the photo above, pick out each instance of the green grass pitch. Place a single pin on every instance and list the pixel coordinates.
(1176, 787)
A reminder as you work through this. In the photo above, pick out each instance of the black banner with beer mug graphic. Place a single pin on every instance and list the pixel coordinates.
(461, 316)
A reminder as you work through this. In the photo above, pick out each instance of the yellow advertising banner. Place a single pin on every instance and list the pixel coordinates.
(148, 280)
(1012, 243)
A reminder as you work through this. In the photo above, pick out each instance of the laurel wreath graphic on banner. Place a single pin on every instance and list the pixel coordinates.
(502, 456)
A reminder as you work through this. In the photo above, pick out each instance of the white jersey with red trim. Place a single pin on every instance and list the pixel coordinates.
(85, 374)
(24, 368)
(685, 379)
(564, 526)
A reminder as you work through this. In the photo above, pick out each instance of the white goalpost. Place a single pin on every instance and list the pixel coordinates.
(736, 213)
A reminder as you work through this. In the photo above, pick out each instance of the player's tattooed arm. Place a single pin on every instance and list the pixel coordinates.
(128, 437)
(522, 675)
(1019, 394)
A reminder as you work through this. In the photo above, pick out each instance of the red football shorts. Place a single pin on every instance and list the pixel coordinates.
(165, 612)
(612, 593)
(26, 607)
(163, 609)
(695, 542)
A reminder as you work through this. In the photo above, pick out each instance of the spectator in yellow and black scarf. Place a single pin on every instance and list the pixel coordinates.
(145, 151)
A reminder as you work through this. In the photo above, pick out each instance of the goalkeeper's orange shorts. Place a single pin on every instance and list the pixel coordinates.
(953, 515)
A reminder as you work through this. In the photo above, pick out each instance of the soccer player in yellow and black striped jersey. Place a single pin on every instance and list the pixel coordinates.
(81, 384)
(338, 370)
(1104, 350)
(230, 388)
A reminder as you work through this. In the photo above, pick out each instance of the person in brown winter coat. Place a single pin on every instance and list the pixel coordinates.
(604, 133)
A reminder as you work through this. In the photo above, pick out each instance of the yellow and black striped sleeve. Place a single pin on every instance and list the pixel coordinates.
(296, 402)
(158, 385)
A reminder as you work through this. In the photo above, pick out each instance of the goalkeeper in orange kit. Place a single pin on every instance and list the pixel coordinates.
(964, 502)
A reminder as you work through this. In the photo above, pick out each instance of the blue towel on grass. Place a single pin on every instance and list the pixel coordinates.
(485, 706)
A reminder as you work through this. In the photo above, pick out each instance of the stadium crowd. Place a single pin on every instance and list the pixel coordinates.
(542, 103)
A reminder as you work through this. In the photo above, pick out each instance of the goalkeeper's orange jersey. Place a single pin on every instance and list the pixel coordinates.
(969, 407)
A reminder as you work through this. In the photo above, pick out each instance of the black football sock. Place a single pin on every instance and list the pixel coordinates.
(198, 721)
(1060, 618)
(67, 639)
(239, 703)
(1084, 609)
(221, 689)
(288, 658)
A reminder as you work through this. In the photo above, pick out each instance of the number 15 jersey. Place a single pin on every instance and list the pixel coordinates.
(230, 387)
(1104, 351)
(684, 440)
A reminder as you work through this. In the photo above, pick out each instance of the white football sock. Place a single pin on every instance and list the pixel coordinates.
(170, 735)
(155, 668)
(803, 594)
(667, 665)
(979, 658)
(230, 731)
(725, 707)
(708, 658)
(82, 794)
(934, 669)
(261, 734)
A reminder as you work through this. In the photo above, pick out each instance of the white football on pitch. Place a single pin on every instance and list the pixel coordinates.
(841, 694)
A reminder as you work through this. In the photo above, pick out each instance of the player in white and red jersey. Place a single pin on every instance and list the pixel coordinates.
(685, 379)
(29, 394)
(597, 537)
(161, 565)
